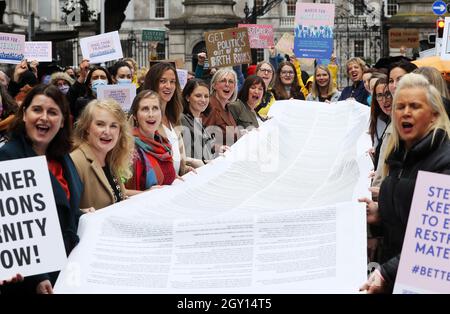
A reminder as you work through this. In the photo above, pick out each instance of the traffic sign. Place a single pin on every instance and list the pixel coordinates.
(153, 35)
(439, 7)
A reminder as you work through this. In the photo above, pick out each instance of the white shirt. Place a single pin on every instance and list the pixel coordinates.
(173, 139)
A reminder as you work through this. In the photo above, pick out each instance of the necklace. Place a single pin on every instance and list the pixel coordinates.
(118, 189)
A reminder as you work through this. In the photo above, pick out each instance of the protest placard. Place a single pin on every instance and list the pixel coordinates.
(30, 235)
(12, 47)
(155, 35)
(182, 77)
(402, 37)
(286, 44)
(424, 261)
(314, 23)
(101, 48)
(123, 94)
(260, 36)
(443, 45)
(228, 47)
(40, 51)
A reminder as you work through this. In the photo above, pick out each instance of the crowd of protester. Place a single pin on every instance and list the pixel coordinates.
(98, 154)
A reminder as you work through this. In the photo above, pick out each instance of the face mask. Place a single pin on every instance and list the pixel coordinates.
(123, 81)
(97, 83)
(64, 89)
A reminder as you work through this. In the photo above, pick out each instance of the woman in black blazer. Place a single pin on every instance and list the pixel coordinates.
(42, 127)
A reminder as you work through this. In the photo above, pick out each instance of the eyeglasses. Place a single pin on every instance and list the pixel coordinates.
(266, 70)
(384, 96)
(287, 73)
(224, 81)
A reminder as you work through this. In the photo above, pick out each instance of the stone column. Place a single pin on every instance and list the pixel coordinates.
(199, 16)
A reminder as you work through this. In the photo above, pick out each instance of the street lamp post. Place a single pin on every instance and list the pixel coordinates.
(251, 19)
(131, 42)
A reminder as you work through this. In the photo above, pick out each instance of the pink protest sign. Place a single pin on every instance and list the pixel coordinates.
(314, 14)
(260, 36)
(425, 258)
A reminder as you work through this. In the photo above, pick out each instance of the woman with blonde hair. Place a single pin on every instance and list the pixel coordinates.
(218, 118)
(323, 88)
(355, 70)
(104, 147)
(420, 141)
(434, 76)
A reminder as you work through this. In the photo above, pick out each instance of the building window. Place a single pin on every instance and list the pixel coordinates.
(291, 7)
(359, 48)
(358, 7)
(161, 51)
(391, 7)
(259, 55)
(258, 6)
(160, 8)
(324, 1)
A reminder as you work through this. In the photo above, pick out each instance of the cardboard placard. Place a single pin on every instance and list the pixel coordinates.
(286, 44)
(402, 37)
(228, 47)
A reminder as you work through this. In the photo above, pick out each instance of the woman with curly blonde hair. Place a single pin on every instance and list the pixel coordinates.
(104, 147)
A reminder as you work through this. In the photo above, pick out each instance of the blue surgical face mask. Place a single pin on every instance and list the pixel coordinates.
(64, 89)
(97, 83)
(123, 81)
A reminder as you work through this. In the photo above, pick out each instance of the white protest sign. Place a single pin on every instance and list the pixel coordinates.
(12, 47)
(445, 44)
(30, 235)
(182, 77)
(424, 261)
(101, 48)
(40, 51)
(123, 94)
